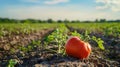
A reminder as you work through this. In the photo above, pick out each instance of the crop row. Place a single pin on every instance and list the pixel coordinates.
(106, 29)
(53, 43)
(23, 28)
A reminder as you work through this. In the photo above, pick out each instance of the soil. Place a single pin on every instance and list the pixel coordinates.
(14, 41)
(39, 57)
(49, 59)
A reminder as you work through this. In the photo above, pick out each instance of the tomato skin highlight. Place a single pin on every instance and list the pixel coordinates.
(77, 48)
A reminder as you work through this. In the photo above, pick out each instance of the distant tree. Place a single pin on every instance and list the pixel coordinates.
(50, 21)
(39, 21)
(22, 21)
(102, 20)
(117, 20)
(66, 21)
(0, 20)
(27, 21)
(44, 21)
(59, 21)
(18, 21)
(5, 20)
(96, 20)
(75, 21)
(30, 21)
(87, 21)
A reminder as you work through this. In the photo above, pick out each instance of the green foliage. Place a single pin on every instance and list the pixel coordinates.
(84, 36)
(12, 63)
(75, 33)
(35, 43)
(24, 49)
(23, 28)
(107, 29)
(99, 41)
(59, 36)
(31, 46)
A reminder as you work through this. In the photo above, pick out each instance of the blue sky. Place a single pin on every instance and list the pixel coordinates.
(60, 9)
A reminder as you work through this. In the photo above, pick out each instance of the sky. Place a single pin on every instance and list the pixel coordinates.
(60, 9)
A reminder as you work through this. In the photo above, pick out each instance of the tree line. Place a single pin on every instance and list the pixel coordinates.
(7, 20)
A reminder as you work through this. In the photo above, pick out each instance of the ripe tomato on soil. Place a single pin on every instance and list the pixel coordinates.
(77, 48)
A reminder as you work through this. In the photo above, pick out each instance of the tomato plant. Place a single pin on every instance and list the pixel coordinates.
(12, 63)
(59, 36)
(99, 41)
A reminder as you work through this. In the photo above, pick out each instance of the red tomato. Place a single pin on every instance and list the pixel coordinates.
(77, 48)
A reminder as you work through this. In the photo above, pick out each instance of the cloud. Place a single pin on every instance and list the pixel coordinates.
(114, 5)
(56, 13)
(51, 2)
(31, 1)
(48, 2)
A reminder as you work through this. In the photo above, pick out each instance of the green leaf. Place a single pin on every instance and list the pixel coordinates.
(12, 63)
(99, 41)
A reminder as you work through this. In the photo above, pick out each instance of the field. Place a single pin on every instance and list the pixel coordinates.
(43, 44)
